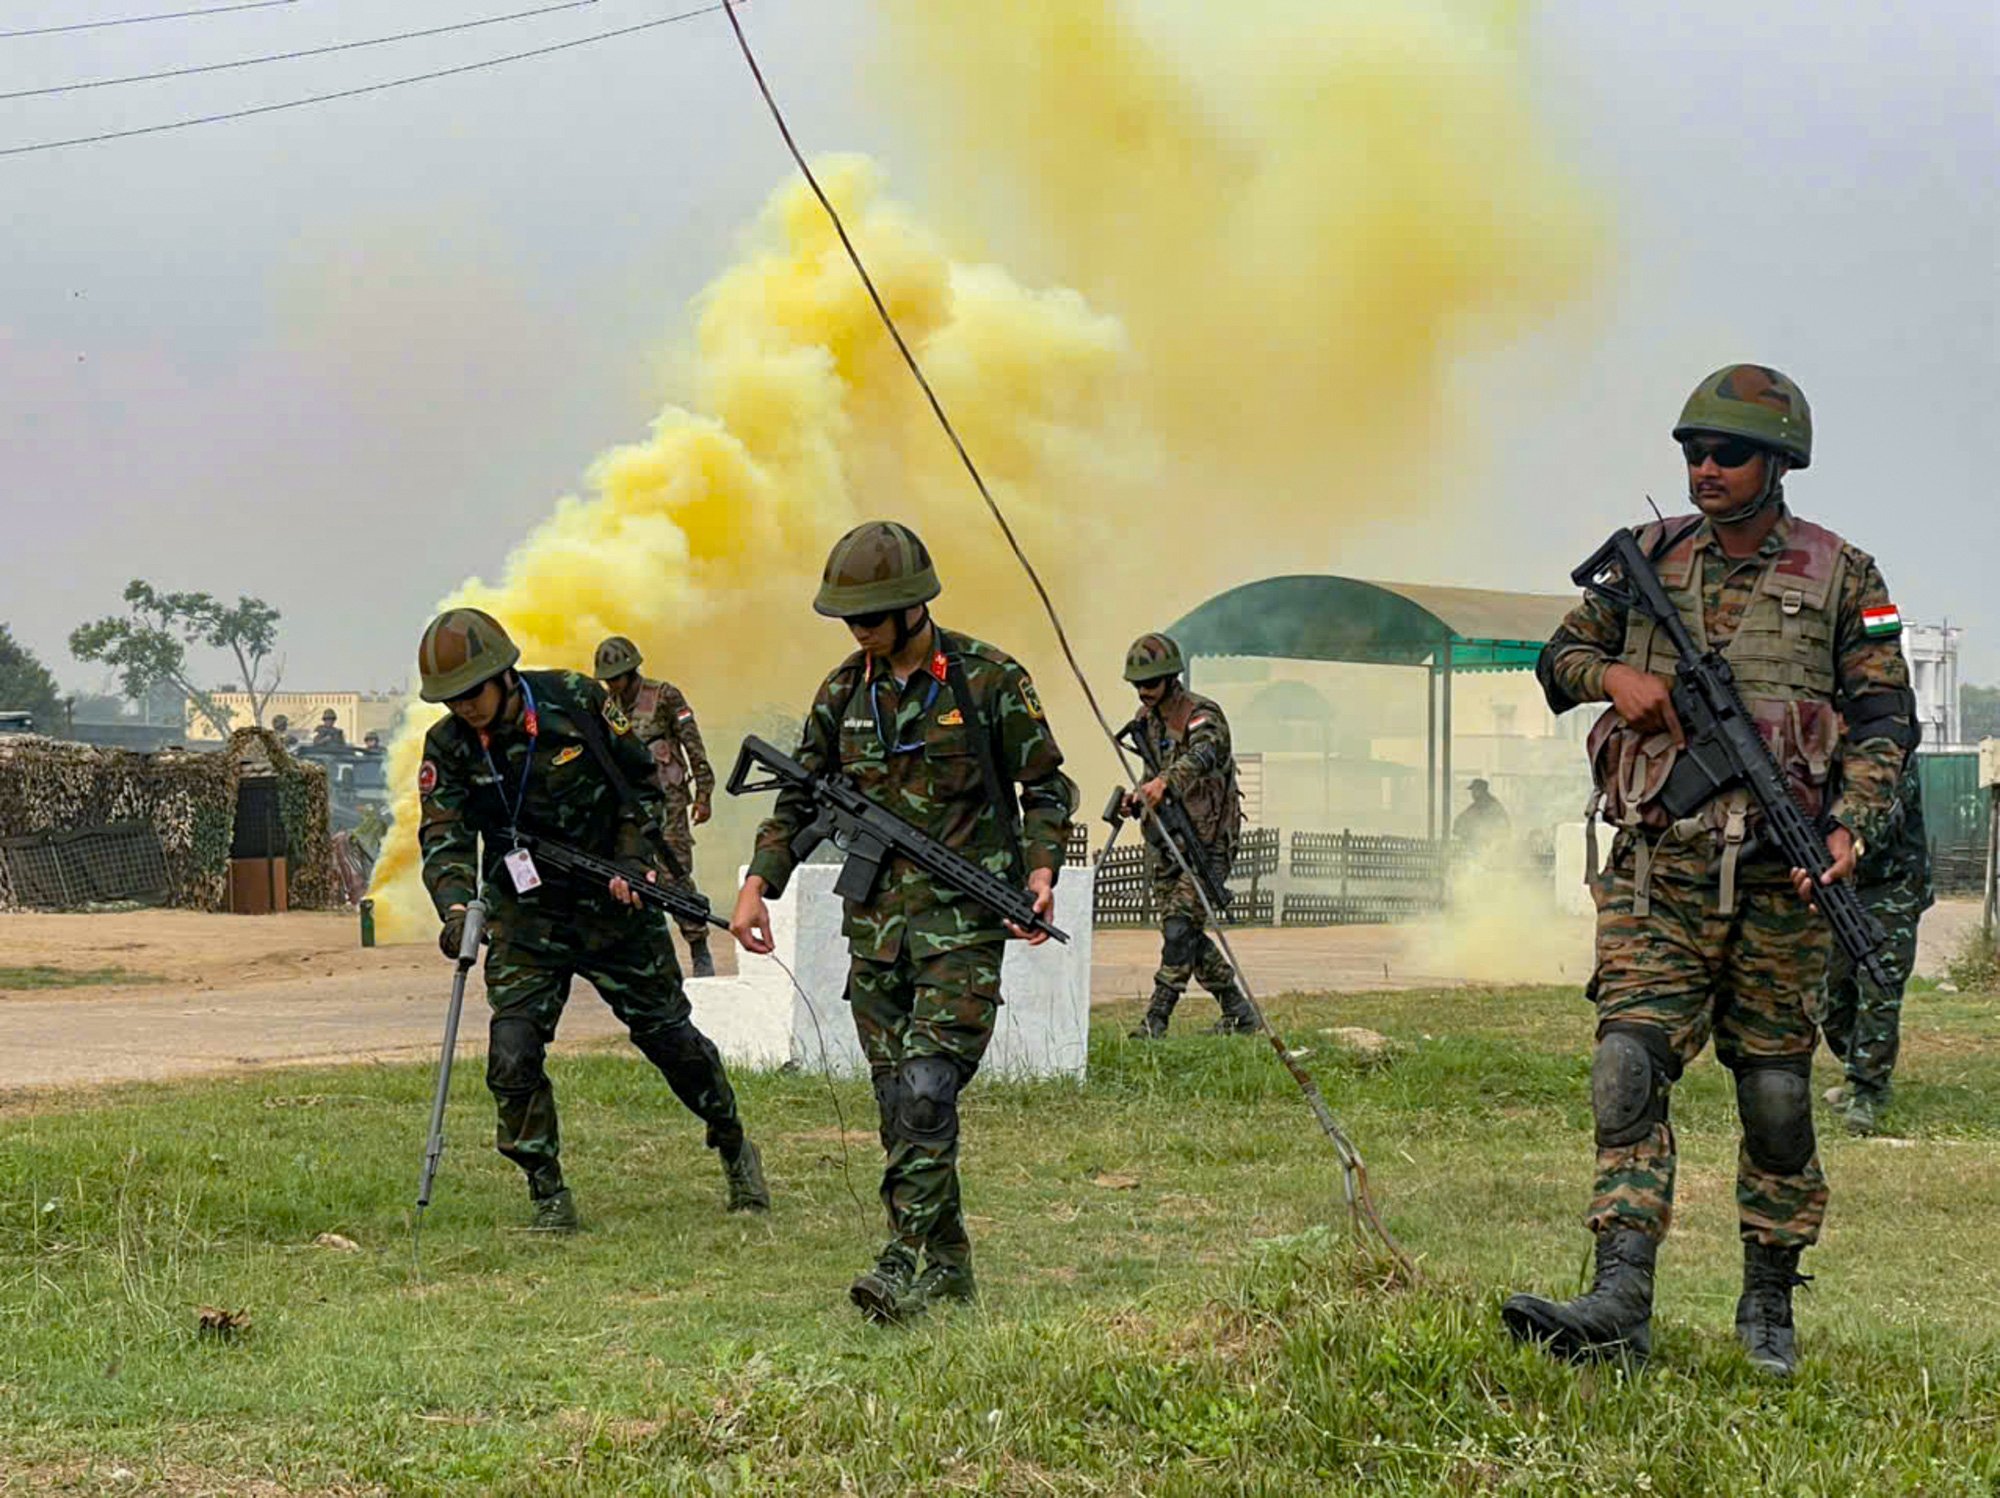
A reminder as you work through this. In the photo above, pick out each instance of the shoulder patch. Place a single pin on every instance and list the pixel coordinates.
(1029, 699)
(427, 778)
(1197, 720)
(566, 755)
(684, 715)
(1883, 621)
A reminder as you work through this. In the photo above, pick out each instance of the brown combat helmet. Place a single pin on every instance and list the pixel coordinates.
(615, 657)
(462, 649)
(875, 568)
(1152, 657)
(1755, 402)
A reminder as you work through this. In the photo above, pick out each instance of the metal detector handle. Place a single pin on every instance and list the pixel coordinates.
(468, 953)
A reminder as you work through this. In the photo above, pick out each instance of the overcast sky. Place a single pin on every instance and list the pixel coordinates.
(342, 356)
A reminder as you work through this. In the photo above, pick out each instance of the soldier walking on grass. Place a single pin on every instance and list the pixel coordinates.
(1187, 738)
(937, 729)
(1863, 1023)
(548, 753)
(665, 724)
(1699, 932)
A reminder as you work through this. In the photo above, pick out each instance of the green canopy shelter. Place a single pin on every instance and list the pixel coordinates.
(1309, 617)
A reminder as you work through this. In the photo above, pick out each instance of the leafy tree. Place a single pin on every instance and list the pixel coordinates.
(1980, 709)
(148, 645)
(26, 685)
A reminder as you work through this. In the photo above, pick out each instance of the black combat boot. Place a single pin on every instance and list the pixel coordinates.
(701, 964)
(1764, 1311)
(1238, 1018)
(555, 1213)
(881, 1290)
(745, 1172)
(1613, 1318)
(1153, 1024)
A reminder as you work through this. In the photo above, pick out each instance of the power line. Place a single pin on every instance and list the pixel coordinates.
(251, 62)
(171, 15)
(354, 93)
(1360, 1201)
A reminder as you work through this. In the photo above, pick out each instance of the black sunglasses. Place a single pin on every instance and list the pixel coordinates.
(867, 621)
(1729, 452)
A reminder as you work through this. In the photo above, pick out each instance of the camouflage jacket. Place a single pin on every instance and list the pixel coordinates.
(567, 797)
(933, 782)
(666, 726)
(1903, 856)
(1188, 738)
(1591, 639)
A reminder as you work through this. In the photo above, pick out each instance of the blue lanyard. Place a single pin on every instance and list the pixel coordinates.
(875, 710)
(532, 720)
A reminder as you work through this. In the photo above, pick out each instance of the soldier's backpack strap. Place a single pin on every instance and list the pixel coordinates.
(999, 792)
(600, 750)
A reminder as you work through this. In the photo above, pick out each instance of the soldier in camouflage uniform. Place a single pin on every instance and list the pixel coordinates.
(536, 751)
(665, 723)
(1861, 1022)
(936, 728)
(1188, 738)
(1699, 932)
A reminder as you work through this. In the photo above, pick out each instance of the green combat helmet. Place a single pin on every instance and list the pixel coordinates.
(462, 649)
(1753, 402)
(1152, 657)
(874, 569)
(615, 657)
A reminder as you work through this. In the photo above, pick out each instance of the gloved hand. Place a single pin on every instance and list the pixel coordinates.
(452, 936)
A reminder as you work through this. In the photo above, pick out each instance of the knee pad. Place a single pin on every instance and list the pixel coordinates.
(1180, 941)
(514, 1054)
(928, 1105)
(1774, 1102)
(888, 1105)
(1629, 1077)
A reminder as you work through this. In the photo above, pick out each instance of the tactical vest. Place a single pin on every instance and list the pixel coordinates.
(1783, 658)
(666, 749)
(1214, 802)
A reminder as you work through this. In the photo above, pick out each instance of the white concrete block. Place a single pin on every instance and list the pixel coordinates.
(1044, 1021)
(1572, 894)
(749, 1025)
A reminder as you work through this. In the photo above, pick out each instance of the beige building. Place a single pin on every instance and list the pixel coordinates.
(357, 713)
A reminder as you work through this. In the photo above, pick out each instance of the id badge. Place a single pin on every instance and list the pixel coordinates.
(521, 869)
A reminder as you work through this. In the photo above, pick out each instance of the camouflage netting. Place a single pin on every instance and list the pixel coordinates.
(188, 798)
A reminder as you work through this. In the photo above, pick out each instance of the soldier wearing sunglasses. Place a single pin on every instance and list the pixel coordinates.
(1701, 932)
(938, 729)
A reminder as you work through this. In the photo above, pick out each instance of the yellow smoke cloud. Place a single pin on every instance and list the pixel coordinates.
(1301, 213)
(703, 541)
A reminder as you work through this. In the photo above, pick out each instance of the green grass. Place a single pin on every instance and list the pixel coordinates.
(42, 976)
(1210, 1329)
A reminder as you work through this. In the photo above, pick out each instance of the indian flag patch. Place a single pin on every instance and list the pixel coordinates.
(1886, 620)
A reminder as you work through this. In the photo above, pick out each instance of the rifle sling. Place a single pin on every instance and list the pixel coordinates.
(593, 737)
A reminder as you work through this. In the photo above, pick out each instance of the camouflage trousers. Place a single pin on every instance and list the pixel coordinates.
(1187, 951)
(679, 836)
(1863, 1023)
(1750, 980)
(628, 957)
(940, 1007)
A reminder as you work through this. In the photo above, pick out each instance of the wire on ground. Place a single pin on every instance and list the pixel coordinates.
(1354, 1171)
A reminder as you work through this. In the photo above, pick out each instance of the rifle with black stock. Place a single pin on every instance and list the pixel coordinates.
(677, 900)
(1724, 751)
(871, 836)
(1170, 820)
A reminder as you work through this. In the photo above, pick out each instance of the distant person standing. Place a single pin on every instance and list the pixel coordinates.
(329, 734)
(1862, 1023)
(282, 727)
(665, 724)
(1484, 826)
(371, 742)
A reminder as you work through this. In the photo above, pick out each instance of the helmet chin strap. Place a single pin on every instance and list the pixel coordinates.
(1773, 488)
(904, 632)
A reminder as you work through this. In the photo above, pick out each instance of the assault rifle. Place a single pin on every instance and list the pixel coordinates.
(679, 901)
(1170, 822)
(871, 836)
(468, 953)
(1724, 750)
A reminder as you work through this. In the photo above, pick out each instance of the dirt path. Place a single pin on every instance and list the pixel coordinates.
(227, 992)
